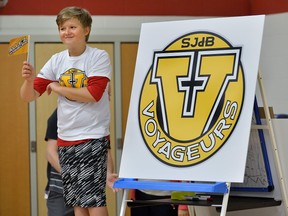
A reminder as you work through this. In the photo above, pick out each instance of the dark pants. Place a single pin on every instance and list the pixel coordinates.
(56, 206)
(155, 210)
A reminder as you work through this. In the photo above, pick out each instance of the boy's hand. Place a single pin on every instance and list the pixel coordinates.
(28, 72)
(111, 178)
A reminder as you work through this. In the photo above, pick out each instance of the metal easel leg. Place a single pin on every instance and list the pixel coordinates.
(225, 200)
(124, 202)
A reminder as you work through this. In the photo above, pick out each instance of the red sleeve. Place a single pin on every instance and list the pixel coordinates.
(96, 86)
(40, 84)
(182, 207)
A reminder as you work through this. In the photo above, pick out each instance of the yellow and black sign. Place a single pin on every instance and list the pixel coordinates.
(191, 98)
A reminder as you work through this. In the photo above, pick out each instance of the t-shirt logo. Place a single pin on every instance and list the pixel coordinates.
(73, 78)
(191, 98)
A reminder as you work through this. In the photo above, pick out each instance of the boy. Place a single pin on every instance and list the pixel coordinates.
(80, 76)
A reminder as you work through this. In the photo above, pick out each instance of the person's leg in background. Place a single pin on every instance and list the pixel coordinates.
(56, 207)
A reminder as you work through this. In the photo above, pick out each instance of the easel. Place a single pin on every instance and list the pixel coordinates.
(222, 188)
(211, 188)
(269, 127)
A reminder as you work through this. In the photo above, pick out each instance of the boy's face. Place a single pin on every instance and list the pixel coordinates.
(72, 32)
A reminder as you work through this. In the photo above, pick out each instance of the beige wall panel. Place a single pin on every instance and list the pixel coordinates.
(45, 106)
(128, 61)
(14, 132)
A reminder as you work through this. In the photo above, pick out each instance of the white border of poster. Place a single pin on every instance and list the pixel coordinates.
(227, 162)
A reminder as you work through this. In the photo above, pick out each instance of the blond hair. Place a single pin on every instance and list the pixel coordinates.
(81, 14)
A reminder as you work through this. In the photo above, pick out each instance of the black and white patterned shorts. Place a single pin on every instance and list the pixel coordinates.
(84, 168)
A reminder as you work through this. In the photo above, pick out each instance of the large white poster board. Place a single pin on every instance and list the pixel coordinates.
(192, 100)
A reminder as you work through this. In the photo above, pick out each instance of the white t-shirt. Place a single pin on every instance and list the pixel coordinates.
(77, 120)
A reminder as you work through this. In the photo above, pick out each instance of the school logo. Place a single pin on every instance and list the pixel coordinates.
(191, 98)
(74, 78)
